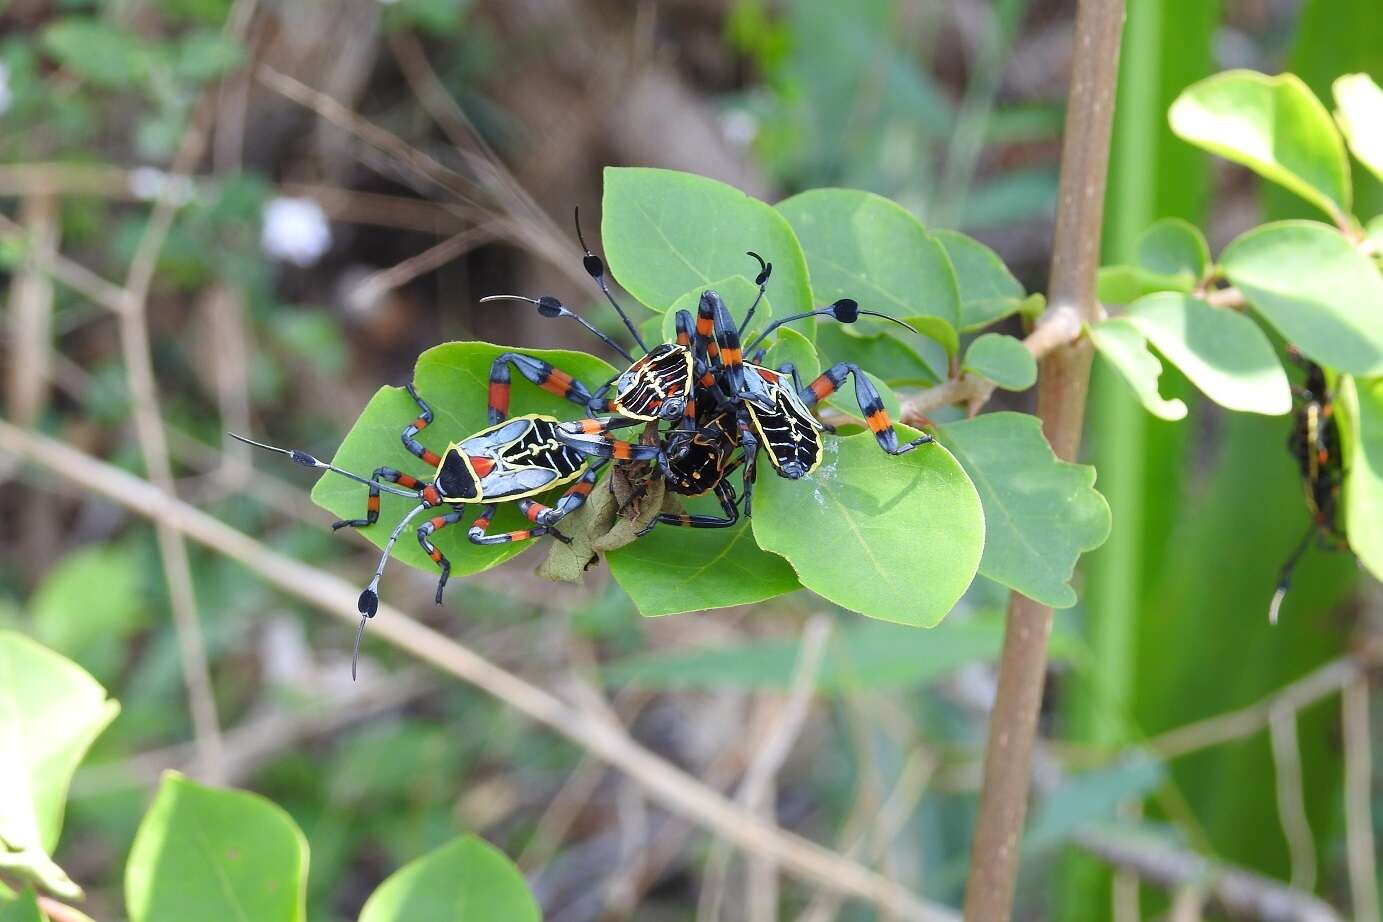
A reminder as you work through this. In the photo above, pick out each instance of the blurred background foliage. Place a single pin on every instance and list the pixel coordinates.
(280, 305)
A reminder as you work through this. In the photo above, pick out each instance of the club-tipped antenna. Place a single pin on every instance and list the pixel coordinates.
(595, 268)
(845, 310)
(765, 270)
(306, 460)
(1284, 578)
(550, 307)
(369, 598)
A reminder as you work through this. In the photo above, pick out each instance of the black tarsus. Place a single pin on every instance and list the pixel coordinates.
(595, 268)
(1284, 577)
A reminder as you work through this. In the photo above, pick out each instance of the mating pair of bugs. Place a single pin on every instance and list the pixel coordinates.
(717, 402)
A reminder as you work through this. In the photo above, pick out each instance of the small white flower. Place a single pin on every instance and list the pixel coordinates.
(295, 231)
(5, 95)
(740, 127)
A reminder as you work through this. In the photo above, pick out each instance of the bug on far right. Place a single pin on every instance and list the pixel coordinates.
(1315, 444)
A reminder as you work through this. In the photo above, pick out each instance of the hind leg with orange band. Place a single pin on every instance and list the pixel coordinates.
(551, 379)
(427, 529)
(871, 404)
(407, 481)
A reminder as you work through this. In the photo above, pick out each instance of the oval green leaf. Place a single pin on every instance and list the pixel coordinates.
(894, 538)
(791, 346)
(1003, 360)
(1040, 513)
(882, 353)
(1362, 403)
(672, 570)
(1275, 126)
(1222, 352)
(1176, 250)
(1359, 110)
(1124, 346)
(50, 713)
(215, 855)
(666, 233)
(863, 246)
(466, 880)
(454, 379)
(1320, 293)
(988, 291)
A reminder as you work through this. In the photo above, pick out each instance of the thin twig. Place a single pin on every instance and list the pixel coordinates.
(1359, 846)
(1234, 725)
(377, 284)
(72, 274)
(673, 788)
(153, 446)
(1061, 396)
(1291, 802)
(1240, 893)
(770, 756)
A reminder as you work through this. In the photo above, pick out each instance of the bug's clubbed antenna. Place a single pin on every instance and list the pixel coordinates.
(1284, 578)
(306, 460)
(595, 268)
(846, 310)
(549, 306)
(765, 270)
(369, 598)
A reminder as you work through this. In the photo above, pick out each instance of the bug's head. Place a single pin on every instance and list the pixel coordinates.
(656, 386)
(456, 479)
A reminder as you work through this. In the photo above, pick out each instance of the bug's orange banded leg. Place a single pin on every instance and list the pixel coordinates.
(411, 431)
(551, 379)
(871, 405)
(406, 481)
(568, 503)
(425, 531)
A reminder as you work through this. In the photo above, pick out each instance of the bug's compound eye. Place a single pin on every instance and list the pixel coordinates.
(673, 407)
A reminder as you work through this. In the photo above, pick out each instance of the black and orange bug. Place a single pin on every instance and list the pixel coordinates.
(511, 460)
(1315, 444)
(774, 410)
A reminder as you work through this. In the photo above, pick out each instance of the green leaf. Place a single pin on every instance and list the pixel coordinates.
(1224, 353)
(863, 246)
(665, 233)
(672, 570)
(50, 712)
(207, 54)
(1362, 404)
(894, 538)
(1176, 250)
(97, 51)
(88, 604)
(454, 379)
(1124, 346)
(1085, 797)
(1359, 110)
(1126, 284)
(1275, 126)
(988, 291)
(791, 346)
(466, 880)
(215, 855)
(882, 353)
(1040, 513)
(1320, 293)
(1003, 360)
(23, 908)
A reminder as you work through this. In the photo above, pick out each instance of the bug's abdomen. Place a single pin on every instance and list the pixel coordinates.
(525, 458)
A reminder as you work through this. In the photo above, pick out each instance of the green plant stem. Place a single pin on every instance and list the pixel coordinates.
(1061, 401)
